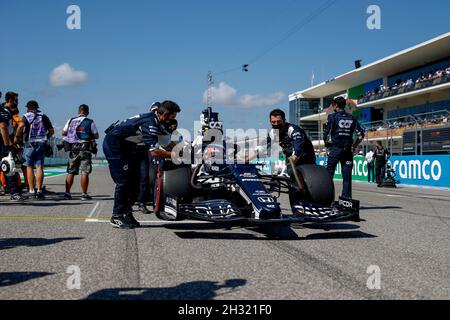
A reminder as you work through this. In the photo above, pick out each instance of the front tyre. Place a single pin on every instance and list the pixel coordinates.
(318, 185)
(174, 182)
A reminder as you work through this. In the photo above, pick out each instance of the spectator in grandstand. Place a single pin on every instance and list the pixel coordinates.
(421, 79)
(370, 158)
(35, 130)
(397, 84)
(438, 74)
(80, 135)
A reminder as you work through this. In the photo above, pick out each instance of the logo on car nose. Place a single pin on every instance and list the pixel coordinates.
(266, 199)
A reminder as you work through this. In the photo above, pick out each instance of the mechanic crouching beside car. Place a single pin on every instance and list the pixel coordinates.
(119, 145)
(292, 140)
(338, 137)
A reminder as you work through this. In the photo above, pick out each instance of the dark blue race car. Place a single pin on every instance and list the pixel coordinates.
(242, 192)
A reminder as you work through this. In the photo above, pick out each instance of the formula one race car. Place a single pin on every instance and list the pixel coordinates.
(241, 192)
(234, 193)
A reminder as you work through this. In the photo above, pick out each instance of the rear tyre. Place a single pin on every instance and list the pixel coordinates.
(318, 185)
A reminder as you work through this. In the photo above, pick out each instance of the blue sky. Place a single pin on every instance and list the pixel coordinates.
(136, 52)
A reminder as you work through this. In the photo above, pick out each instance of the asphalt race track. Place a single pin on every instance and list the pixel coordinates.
(405, 235)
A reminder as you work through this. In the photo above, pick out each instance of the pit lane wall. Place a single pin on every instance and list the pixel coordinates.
(54, 162)
(432, 171)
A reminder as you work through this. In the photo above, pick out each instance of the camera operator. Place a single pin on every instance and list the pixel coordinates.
(35, 129)
(6, 145)
(80, 135)
(340, 129)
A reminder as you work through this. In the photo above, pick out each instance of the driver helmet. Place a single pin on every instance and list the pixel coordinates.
(214, 154)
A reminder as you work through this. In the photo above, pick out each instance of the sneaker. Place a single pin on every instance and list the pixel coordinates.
(86, 197)
(18, 198)
(67, 196)
(40, 196)
(162, 215)
(133, 221)
(30, 195)
(122, 222)
(143, 209)
(47, 192)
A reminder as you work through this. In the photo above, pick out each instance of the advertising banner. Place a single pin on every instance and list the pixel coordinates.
(433, 171)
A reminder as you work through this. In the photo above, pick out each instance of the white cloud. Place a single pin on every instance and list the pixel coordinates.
(65, 76)
(223, 95)
(259, 101)
(227, 96)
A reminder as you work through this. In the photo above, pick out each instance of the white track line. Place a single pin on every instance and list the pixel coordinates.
(89, 219)
(153, 222)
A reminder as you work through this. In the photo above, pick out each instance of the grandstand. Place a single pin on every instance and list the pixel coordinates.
(402, 100)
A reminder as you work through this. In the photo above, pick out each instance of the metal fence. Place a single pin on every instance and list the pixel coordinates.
(402, 135)
(396, 90)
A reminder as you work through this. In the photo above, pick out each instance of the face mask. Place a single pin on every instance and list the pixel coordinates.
(277, 127)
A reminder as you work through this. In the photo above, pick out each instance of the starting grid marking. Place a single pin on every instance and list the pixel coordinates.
(151, 222)
(43, 218)
(96, 220)
(93, 217)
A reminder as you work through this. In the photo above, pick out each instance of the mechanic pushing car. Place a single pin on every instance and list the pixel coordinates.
(120, 142)
(338, 137)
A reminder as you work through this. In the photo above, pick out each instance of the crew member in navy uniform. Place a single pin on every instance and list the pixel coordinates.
(145, 163)
(339, 139)
(292, 139)
(119, 146)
